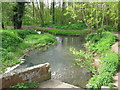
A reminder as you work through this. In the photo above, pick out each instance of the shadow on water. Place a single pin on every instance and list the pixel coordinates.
(61, 60)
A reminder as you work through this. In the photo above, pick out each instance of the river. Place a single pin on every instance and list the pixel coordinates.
(61, 60)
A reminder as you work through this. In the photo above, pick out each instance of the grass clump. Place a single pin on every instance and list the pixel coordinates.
(109, 60)
(63, 32)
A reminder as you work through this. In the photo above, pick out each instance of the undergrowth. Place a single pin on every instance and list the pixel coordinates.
(15, 43)
(63, 32)
(78, 26)
(109, 59)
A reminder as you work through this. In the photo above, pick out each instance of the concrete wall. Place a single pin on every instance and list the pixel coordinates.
(36, 73)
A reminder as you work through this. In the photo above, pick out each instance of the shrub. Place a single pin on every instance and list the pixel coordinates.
(109, 60)
(106, 71)
(84, 60)
(23, 33)
(10, 40)
(101, 42)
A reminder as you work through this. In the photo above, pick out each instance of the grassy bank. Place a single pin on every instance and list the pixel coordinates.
(63, 32)
(101, 44)
(77, 26)
(16, 42)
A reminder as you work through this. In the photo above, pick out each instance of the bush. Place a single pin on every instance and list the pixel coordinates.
(84, 60)
(109, 64)
(10, 40)
(101, 42)
(23, 33)
(6, 55)
(109, 60)
(8, 59)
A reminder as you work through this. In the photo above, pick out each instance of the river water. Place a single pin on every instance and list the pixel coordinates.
(61, 60)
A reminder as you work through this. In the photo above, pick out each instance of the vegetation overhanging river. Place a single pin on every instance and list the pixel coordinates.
(61, 60)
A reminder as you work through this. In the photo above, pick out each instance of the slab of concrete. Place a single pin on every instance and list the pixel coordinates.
(57, 84)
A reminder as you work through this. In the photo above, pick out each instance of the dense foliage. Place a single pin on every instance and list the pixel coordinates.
(109, 60)
(67, 15)
(14, 43)
(109, 64)
(76, 18)
(23, 33)
(10, 40)
(97, 41)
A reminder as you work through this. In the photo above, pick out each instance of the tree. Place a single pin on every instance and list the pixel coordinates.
(18, 14)
(63, 11)
(53, 12)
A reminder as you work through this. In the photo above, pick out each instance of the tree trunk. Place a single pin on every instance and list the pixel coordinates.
(53, 12)
(42, 13)
(33, 12)
(19, 12)
(3, 25)
(63, 11)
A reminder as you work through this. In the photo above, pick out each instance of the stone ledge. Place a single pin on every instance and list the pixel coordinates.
(38, 73)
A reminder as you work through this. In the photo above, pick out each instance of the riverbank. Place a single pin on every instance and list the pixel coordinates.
(18, 42)
(55, 31)
(63, 32)
(109, 61)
